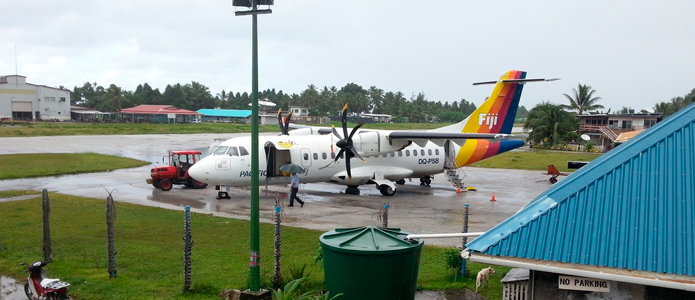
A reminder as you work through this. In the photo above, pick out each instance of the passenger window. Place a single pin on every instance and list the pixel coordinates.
(407, 152)
(393, 154)
(332, 155)
(436, 151)
(233, 151)
(220, 150)
(429, 152)
(414, 152)
(400, 153)
(243, 151)
(316, 156)
(385, 154)
(306, 156)
(422, 152)
(342, 155)
(324, 156)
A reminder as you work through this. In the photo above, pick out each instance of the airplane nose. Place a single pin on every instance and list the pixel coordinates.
(197, 171)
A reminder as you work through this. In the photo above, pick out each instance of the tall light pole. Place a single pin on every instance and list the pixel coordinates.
(255, 254)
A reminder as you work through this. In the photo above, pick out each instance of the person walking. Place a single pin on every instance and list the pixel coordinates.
(295, 188)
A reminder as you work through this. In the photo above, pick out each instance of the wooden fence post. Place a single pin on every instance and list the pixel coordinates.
(47, 252)
(111, 235)
(187, 247)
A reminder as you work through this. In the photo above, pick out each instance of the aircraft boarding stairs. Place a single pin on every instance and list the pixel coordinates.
(454, 173)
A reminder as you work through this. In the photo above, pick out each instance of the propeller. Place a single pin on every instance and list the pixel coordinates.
(284, 128)
(345, 144)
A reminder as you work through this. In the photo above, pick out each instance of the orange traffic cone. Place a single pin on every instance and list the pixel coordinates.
(458, 191)
(493, 196)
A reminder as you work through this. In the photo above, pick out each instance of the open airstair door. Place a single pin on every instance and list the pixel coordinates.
(276, 156)
(450, 154)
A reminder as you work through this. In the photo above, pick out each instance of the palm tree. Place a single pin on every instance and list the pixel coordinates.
(583, 99)
(549, 124)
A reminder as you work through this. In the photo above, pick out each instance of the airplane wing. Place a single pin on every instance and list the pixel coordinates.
(422, 137)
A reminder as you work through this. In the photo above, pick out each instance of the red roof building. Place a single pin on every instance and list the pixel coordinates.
(158, 114)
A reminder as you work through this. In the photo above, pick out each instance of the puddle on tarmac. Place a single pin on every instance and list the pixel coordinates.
(10, 289)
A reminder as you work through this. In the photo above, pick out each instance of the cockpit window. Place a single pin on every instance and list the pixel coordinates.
(242, 151)
(221, 150)
(233, 151)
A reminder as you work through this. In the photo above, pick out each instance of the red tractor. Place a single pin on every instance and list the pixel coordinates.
(177, 171)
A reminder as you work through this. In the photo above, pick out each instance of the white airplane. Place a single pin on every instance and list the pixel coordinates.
(386, 156)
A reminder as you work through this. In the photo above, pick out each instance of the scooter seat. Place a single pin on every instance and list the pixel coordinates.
(45, 282)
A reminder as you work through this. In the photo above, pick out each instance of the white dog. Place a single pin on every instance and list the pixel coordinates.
(483, 277)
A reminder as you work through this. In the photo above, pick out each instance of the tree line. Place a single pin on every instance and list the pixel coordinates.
(326, 101)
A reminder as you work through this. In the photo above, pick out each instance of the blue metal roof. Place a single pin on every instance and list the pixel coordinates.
(633, 208)
(229, 113)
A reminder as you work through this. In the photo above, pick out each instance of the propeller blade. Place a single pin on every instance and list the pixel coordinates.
(339, 154)
(355, 154)
(287, 123)
(343, 120)
(336, 133)
(347, 167)
(355, 130)
(282, 130)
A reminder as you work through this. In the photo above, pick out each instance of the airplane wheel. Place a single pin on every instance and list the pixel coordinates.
(198, 185)
(223, 195)
(428, 181)
(352, 190)
(387, 190)
(166, 184)
(553, 180)
(401, 182)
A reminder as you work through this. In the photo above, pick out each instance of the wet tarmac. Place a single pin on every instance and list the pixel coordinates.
(426, 209)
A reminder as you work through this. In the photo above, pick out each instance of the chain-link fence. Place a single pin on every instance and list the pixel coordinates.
(220, 246)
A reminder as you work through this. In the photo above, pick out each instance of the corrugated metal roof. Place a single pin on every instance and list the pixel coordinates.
(148, 109)
(633, 208)
(229, 113)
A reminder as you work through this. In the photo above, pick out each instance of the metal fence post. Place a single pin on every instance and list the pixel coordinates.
(464, 270)
(277, 279)
(187, 246)
(47, 252)
(385, 216)
(111, 234)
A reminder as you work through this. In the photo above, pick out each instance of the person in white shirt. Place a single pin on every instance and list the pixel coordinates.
(295, 188)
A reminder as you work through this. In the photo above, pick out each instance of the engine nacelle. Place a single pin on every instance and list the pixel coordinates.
(304, 131)
(376, 143)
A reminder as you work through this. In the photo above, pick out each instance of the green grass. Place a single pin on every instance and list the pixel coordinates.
(149, 251)
(69, 128)
(50, 164)
(535, 160)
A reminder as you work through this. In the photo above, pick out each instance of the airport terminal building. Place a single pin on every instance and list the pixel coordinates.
(20, 100)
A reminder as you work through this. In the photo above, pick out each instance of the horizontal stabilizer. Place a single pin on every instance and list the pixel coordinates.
(519, 81)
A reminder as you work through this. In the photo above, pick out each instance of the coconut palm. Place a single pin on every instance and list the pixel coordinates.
(549, 124)
(583, 99)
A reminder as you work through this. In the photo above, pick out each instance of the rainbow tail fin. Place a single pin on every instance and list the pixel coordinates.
(497, 113)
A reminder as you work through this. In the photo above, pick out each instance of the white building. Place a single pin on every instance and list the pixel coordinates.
(21, 100)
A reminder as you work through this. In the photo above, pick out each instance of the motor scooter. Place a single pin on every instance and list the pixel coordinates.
(40, 287)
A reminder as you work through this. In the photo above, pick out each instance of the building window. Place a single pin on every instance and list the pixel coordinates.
(627, 124)
(649, 123)
(613, 123)
(62, 99)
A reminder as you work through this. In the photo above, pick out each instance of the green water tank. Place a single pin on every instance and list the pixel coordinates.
(370, 263)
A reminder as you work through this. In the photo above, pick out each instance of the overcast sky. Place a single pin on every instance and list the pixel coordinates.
(634, 53)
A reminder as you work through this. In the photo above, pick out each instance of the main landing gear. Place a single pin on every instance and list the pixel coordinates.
(352, 190)
(427, 180)
(222, 192)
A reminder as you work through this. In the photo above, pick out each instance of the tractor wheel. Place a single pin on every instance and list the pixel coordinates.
(198, 185)
(166, 184)
(155, 183)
